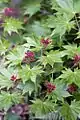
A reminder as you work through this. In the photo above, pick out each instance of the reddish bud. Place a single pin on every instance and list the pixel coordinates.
(11, 12)
(76, 58)
(13, 78)
(29, 54)
(29, 57)
(46, 42)
(50, 87)
(72, 88)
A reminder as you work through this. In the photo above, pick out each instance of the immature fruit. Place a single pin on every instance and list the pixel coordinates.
(45, 42)
(29, 57)
(13, 78)
(76, 58)
(11, 12)
(50, 87)
(72, 88)
(29, 54)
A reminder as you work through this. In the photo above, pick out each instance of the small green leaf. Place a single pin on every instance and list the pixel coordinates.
(4, 46)
(30, 73)
(16, 56)
(42, 107)
(28, 87)
(12, 25)
(66, 4)
(66, 112)
(68, 76)
(51, 58)
(7, 99)
(75, 107)
(32, 7)
(60, 91)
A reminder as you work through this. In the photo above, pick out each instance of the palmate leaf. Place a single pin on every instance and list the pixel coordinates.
(61, 23)
(15, 38)
(66, 4)
(4, 46)
(68, 76)
(30, 73)
(28, 87)
(52, 57)
(66, 112)
(7, 99)
(37, 28)
(32, 42)
(42, 107)
(71, 50)
(36, 70)
(5, 72)
(70, 112)
(70, 5)
(16, 56)
(60, 91)
(12, 25)
(75, 107)
(5, 81)
(32, 7)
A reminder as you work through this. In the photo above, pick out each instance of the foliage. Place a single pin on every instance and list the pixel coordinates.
(12, 25)
(43, 107)
(39, 59)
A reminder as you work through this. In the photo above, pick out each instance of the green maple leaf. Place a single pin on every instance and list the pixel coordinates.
(71, 50)
(43, 107)
(61, 23)
(16, 56)
(66, 112)
(68, 76)
(32, 42)
(32, 7)
(60, 91)
(4, 46)
(75, 107)
(12, 25)
(52, 57)
(7, 99)
(29, 87)
(70, 112)
(69, 5)
(30, 73)
(5, 81)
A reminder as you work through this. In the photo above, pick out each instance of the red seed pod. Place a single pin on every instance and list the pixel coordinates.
(72, 88)
(11, 12)
(76, 58)
(13, 77)
(45, 42)
(29, 57)
(50, 87)
(29, 54)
